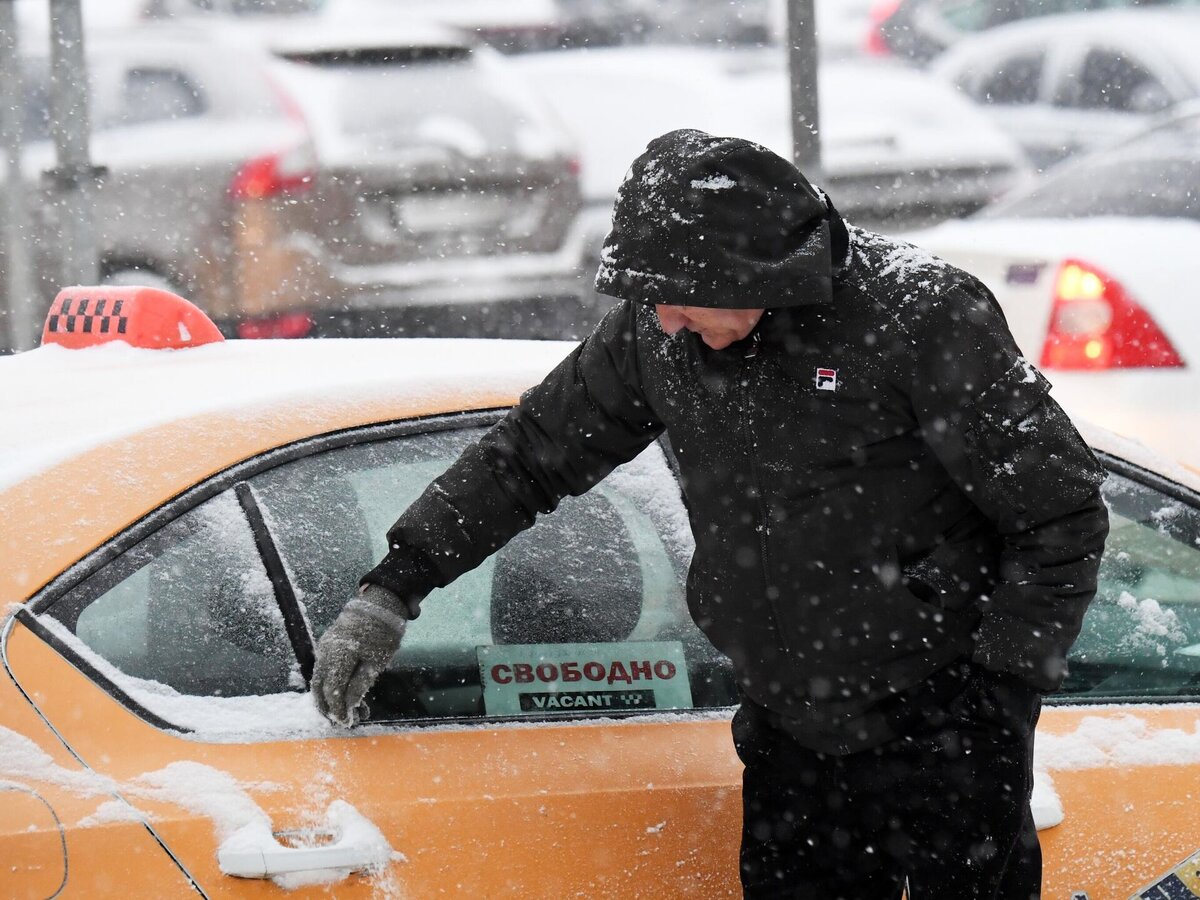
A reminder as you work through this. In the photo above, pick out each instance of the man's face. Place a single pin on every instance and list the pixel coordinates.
(718, 328)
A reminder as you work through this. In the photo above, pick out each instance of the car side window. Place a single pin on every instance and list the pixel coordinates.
(154, 94)
(583, 612)
(1110, 80)
(1141, 635)
(190, 608)
(1014, 80)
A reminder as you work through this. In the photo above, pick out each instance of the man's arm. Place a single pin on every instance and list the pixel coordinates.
(987, 414)
(584, 419)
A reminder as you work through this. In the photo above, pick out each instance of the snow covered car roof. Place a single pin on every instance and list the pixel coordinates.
(140, 426)
(134, 427)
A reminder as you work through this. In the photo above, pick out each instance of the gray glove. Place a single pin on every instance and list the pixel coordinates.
(354, 650)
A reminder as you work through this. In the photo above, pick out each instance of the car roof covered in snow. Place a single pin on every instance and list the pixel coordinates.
(92, 440)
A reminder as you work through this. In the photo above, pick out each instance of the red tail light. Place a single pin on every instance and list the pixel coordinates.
(875, 43)
(285, 325)
(285, 172)
(274, 175)
(1095, 324)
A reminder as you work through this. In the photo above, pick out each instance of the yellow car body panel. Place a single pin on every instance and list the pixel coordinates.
(623, 809)
(62, 828)
(1124, 826)
(86, 500)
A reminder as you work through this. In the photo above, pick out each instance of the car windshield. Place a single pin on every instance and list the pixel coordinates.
(974, 15)
(1141, 635)
(1157, 175)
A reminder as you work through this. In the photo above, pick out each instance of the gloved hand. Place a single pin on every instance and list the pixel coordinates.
(354, 650)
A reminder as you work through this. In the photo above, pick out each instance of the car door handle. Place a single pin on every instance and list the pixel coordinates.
(266, 859)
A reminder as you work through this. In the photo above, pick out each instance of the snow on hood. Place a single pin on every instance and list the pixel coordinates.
(1115, 742)
(58, 403)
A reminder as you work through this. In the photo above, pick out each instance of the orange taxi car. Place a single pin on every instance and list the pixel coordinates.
(181, 517)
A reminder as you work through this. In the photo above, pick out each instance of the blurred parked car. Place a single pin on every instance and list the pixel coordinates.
(1096, 267)
(510, 27)
(1063, 84)
(521, 26)
(919, 30)
(615, 22)
(363, 180)
(447, 195)
(182, 125)
(897, 145)
(554, 726)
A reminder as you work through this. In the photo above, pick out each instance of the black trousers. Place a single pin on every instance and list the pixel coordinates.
(943, 809)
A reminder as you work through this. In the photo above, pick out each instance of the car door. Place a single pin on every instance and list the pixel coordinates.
(553, 725)
(1118, 750)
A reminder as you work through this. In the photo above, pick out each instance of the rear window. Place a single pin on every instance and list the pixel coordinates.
(1155, 176)
(975, 15)
(379, 56)
(399, 97)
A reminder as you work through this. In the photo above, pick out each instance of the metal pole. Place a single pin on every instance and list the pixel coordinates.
(74, 178)
(802, 65)
(18, 279)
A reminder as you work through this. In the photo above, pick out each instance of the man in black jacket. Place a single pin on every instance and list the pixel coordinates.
(897, 529)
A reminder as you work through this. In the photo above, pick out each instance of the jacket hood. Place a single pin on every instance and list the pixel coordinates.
(719, 222)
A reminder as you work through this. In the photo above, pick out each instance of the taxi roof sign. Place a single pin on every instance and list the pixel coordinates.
(152, 318)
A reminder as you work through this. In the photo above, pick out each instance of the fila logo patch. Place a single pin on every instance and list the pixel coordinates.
(826, 379)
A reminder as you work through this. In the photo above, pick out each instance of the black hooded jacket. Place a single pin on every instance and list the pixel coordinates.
(878, 482)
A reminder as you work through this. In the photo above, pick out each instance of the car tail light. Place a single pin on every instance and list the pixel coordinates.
(287, 171)
(284, 325)
(1095, 324)
(274, 174)
(876, 44)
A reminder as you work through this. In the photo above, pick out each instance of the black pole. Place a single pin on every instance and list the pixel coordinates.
(20, 302)
(74, 177)
(802, 66)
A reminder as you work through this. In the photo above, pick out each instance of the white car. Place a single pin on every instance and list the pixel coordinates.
(897, 145)
(1062, 84)
(1096, 268)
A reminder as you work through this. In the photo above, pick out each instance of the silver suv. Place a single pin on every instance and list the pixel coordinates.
(323, 182)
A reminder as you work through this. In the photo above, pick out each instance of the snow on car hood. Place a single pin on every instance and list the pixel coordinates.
(59, 403)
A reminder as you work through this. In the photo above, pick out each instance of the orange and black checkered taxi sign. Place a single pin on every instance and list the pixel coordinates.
(140, 316)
